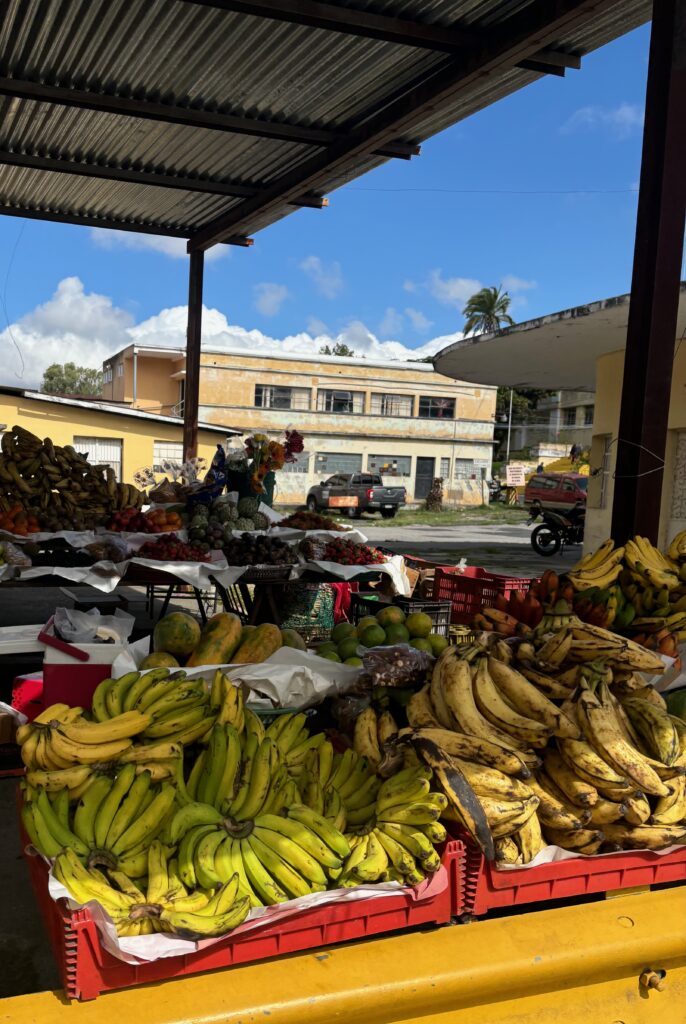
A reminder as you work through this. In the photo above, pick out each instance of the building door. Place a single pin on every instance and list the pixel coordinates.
(424, 477)
(101, 451)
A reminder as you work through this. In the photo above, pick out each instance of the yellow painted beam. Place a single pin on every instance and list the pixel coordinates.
(577, 965)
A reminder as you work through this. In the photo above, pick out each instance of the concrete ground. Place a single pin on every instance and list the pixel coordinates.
(503, 548)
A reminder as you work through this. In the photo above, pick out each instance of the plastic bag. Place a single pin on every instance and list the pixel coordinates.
(75, 627)
(396, 666)
(14, 555)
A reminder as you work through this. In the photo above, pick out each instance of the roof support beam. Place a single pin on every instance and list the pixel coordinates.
(518, 38)
(193, 342)
(191, 117)
(651, 331)
(453, 39)
(83, 220)
(207, 186)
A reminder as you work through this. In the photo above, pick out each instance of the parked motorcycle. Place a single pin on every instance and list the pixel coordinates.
(556, 529)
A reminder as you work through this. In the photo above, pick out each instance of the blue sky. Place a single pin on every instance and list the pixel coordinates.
(395, 254)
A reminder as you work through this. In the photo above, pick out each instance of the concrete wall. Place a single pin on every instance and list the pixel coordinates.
(63, 422)
(609, 374)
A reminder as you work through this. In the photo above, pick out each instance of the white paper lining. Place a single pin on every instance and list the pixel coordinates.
(156, 947)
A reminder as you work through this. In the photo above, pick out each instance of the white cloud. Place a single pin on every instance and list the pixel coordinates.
(269, 297)
(173, 247)
(409, 286)
(513, 284)
(420, 322)
(72, 326)
(392, 322)
(316, 327)
(621, 121)
(327, 278)
(452, 291)
(87, 328)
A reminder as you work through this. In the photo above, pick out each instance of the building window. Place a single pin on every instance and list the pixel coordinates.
(101, 451)
(569, 417)
(464, 469)
(392, 405)
(340, 401)
(431, 408)
(107, 374)
(588, 415)
(166, 451)
(445, 468)
(390, 465)
(301, 464)
(337, 462)
(269, 397)
(120, 369)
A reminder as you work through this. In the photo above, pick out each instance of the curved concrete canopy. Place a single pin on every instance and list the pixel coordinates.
(554, 351)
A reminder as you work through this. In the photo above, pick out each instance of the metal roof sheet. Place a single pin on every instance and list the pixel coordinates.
(196, 57)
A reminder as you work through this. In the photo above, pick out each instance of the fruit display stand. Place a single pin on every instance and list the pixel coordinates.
(488, 888)
(87, 970)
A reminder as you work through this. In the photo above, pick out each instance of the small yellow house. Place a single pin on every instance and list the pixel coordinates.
(127, 439)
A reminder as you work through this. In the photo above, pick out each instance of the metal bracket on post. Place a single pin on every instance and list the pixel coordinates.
(193, 340)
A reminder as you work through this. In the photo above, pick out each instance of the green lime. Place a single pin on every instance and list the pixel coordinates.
(330, 656)
(390, 616)
(373, 636)
(364, 623)
(327, 648)
(418, 624)
(348, 648)
(396, 634)
(342, 631)
(421, 644)
(356, 662)
(438, 643)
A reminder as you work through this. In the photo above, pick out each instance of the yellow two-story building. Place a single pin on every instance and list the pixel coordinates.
(400, 419)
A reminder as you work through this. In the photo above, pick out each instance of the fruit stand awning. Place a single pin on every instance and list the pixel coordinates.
(211, 119)
(554, 351)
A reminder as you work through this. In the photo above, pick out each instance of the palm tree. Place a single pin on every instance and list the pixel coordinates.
(486, 311)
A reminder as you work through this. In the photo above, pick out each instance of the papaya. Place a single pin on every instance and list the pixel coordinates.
(258, 646)
(159, 659)
(291, 638)
(219, 639)
(176, 633)
(246, 631)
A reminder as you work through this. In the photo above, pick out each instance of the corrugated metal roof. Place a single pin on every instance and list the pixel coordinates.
(183, 54)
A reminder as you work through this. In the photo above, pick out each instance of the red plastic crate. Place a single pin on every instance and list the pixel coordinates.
(88, 970)
(486, 888)
(470, 590)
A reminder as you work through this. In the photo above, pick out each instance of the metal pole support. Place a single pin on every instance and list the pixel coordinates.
(646, 389)
(193, 339)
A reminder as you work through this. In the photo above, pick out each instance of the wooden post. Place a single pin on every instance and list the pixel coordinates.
(193, 336)
(651, 333)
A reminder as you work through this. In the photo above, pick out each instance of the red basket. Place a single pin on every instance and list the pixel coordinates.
(470, 590)
(486, 888)
(88, 970)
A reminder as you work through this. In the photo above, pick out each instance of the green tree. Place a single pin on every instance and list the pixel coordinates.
(339, 349)
(70, 379)
(487, 311)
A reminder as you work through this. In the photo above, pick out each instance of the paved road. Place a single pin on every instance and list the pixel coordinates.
(503, 549)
